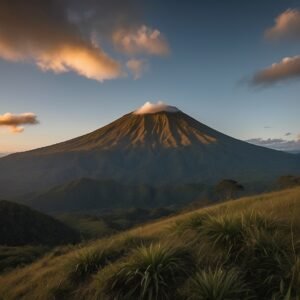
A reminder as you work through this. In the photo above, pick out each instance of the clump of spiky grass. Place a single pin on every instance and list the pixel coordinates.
(224, 231)
(91, 260)
(266, 260)
(85, 263)
(193, 222)
(151, 273)
(231, 231)
(218, 284)
(257, 220)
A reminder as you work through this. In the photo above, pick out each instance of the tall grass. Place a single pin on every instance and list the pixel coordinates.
(249, 244)
(151, 273)
(218, 284)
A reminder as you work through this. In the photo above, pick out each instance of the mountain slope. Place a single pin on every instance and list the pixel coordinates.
(20, 225)
(90, 195)
(153, 148)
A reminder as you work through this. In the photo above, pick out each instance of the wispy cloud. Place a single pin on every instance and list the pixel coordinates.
(278, 144)
(137, 67)
(141, 40)
(15, 122)
(71, 35)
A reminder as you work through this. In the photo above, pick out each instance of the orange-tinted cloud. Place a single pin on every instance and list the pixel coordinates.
(15, 122)
(287, 25)
(136, 67)
(141, 40)
(40, 32)
(287, 68)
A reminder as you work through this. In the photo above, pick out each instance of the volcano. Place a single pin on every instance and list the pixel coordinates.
(154, 145)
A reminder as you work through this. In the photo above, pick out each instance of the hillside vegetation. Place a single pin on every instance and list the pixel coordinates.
(21, 225)
(241, 249)
(90, 195)
(98, 226)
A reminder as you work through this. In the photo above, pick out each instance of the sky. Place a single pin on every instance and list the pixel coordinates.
(68, 67)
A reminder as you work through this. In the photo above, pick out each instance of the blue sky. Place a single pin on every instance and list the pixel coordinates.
(215, 48)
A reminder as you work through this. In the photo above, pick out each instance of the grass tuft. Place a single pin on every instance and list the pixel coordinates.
(218, 284)
(151, 273)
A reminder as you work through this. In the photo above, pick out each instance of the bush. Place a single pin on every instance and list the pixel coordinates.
(152, 272)
(218, 284)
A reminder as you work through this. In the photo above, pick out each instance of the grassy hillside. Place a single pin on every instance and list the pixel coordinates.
(21, 225)
(242, 249)
(97, 226)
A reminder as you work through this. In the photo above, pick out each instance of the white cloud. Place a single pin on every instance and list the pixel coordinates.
(151, 108)
(278, 144)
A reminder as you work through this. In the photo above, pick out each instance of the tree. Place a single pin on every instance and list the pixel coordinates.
(228, 188)
(288, 181)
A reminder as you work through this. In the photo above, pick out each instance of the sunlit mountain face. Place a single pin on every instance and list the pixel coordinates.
(154, 145)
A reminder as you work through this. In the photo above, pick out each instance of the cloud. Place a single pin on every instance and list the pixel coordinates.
(287, 25)
(137, 67)
(287, 68)
(278, 144)
(151, 108)
(14, 122)
(141, 40)
(70, 35)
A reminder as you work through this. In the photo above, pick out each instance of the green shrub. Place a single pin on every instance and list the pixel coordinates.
(218, 284)
(151, 273)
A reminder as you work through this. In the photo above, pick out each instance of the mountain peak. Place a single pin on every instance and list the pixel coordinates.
(152, 108)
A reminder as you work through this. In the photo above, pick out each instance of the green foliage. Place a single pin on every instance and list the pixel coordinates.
(218, 284)
(288, 181)
(152, 272)
(228, 188)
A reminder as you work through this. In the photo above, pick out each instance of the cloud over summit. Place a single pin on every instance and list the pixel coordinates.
(151, 108)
